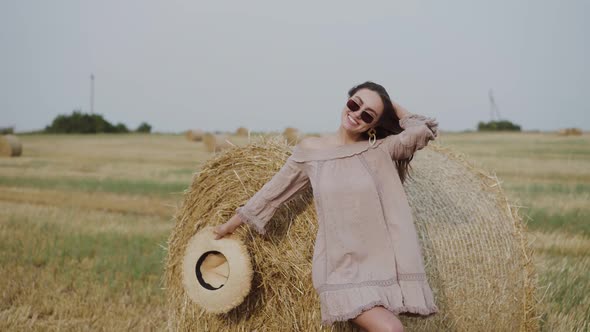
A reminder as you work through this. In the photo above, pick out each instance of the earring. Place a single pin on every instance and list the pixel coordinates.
(372, 136)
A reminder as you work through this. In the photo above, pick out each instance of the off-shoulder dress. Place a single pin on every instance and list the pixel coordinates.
(366, 251)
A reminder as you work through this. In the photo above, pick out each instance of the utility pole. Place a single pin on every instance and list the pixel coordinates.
(494, 111)
(91, 93)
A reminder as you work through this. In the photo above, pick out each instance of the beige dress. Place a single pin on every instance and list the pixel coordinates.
(366, 249)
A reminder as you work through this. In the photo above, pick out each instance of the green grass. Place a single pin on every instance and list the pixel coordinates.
(8, 163)
(180, 171)
(550, 188)
(110, 258)
(517, 177)
(566, 288)
(570, 221)
(137, 187)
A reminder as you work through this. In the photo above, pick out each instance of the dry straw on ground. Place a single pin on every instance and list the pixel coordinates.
(194, 135)
(293, 135)
(10, 146)
(570, 132)
(216, 142)
(242, 131)
(476, 255)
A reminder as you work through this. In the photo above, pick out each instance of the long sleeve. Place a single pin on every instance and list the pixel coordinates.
(283, 186)
(418, 131)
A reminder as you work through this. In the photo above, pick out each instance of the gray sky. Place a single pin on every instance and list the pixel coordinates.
(217, 65)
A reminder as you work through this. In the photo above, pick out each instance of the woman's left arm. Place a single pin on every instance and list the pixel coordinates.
(418, 130)
(408, 119)
(406, 143)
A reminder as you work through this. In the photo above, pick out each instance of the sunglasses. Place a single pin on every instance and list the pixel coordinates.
(365, 116)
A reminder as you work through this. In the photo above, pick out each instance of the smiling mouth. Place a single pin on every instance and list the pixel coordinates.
(351, 120)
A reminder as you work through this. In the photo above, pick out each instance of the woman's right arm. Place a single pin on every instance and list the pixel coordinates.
(260, 208)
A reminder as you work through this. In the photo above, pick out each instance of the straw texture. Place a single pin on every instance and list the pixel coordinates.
(476, 256)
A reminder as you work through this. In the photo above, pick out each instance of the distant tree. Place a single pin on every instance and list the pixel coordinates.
(121, 128)
(6, 130)
(502, 125)
(144, 127)
(83, 123)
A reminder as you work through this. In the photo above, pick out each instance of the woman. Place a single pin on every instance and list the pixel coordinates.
(367, 262)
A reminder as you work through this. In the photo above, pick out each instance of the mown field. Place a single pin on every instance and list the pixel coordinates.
(84, 222)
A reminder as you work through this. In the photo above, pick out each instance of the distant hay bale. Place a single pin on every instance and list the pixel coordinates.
(478, 262)
(10, 146)
(313, 135)
(293, 135)
(195, 135)
(216, 142)
(242, 131)
(570, 132)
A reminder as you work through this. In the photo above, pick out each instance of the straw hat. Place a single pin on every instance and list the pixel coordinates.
(217, 274)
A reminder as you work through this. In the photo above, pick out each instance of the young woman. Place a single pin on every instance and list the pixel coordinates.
(367, 263)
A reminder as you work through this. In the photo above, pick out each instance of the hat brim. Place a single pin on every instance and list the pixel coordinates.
(239, 279)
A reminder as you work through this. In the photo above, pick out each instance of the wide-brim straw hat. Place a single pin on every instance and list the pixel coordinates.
(216, 274)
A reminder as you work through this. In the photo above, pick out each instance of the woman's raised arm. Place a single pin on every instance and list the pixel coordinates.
(418, 131)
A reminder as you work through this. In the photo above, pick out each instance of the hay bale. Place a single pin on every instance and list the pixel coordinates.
(313, 135)
(194, 135)
(477, 259)
(242, 131)
(570, 132)
(293, 135)
(216, 142)
(10, 146)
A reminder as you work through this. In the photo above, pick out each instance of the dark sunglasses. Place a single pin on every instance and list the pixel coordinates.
(365, 116)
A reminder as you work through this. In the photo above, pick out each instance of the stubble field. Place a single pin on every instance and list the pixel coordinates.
(84, 222)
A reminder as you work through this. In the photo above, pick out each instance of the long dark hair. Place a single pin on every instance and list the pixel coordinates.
(388, 123)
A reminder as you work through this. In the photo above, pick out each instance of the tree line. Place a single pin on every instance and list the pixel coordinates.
(84, 123)
(502, 125)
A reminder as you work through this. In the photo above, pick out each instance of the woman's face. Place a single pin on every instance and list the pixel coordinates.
(369, 101)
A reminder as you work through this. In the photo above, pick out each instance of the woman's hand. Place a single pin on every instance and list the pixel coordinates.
(227, 227)
(411, 120)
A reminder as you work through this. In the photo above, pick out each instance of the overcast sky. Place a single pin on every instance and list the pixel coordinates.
(217, 65)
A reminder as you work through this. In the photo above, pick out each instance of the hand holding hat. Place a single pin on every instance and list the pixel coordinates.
(227, 227)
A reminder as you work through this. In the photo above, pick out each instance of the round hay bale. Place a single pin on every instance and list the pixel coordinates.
(10, 146)
(216, 142)
(475, 251)
(293, 135)
(570, 132)
(314, 135)
(242, 131)
(195, 135)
